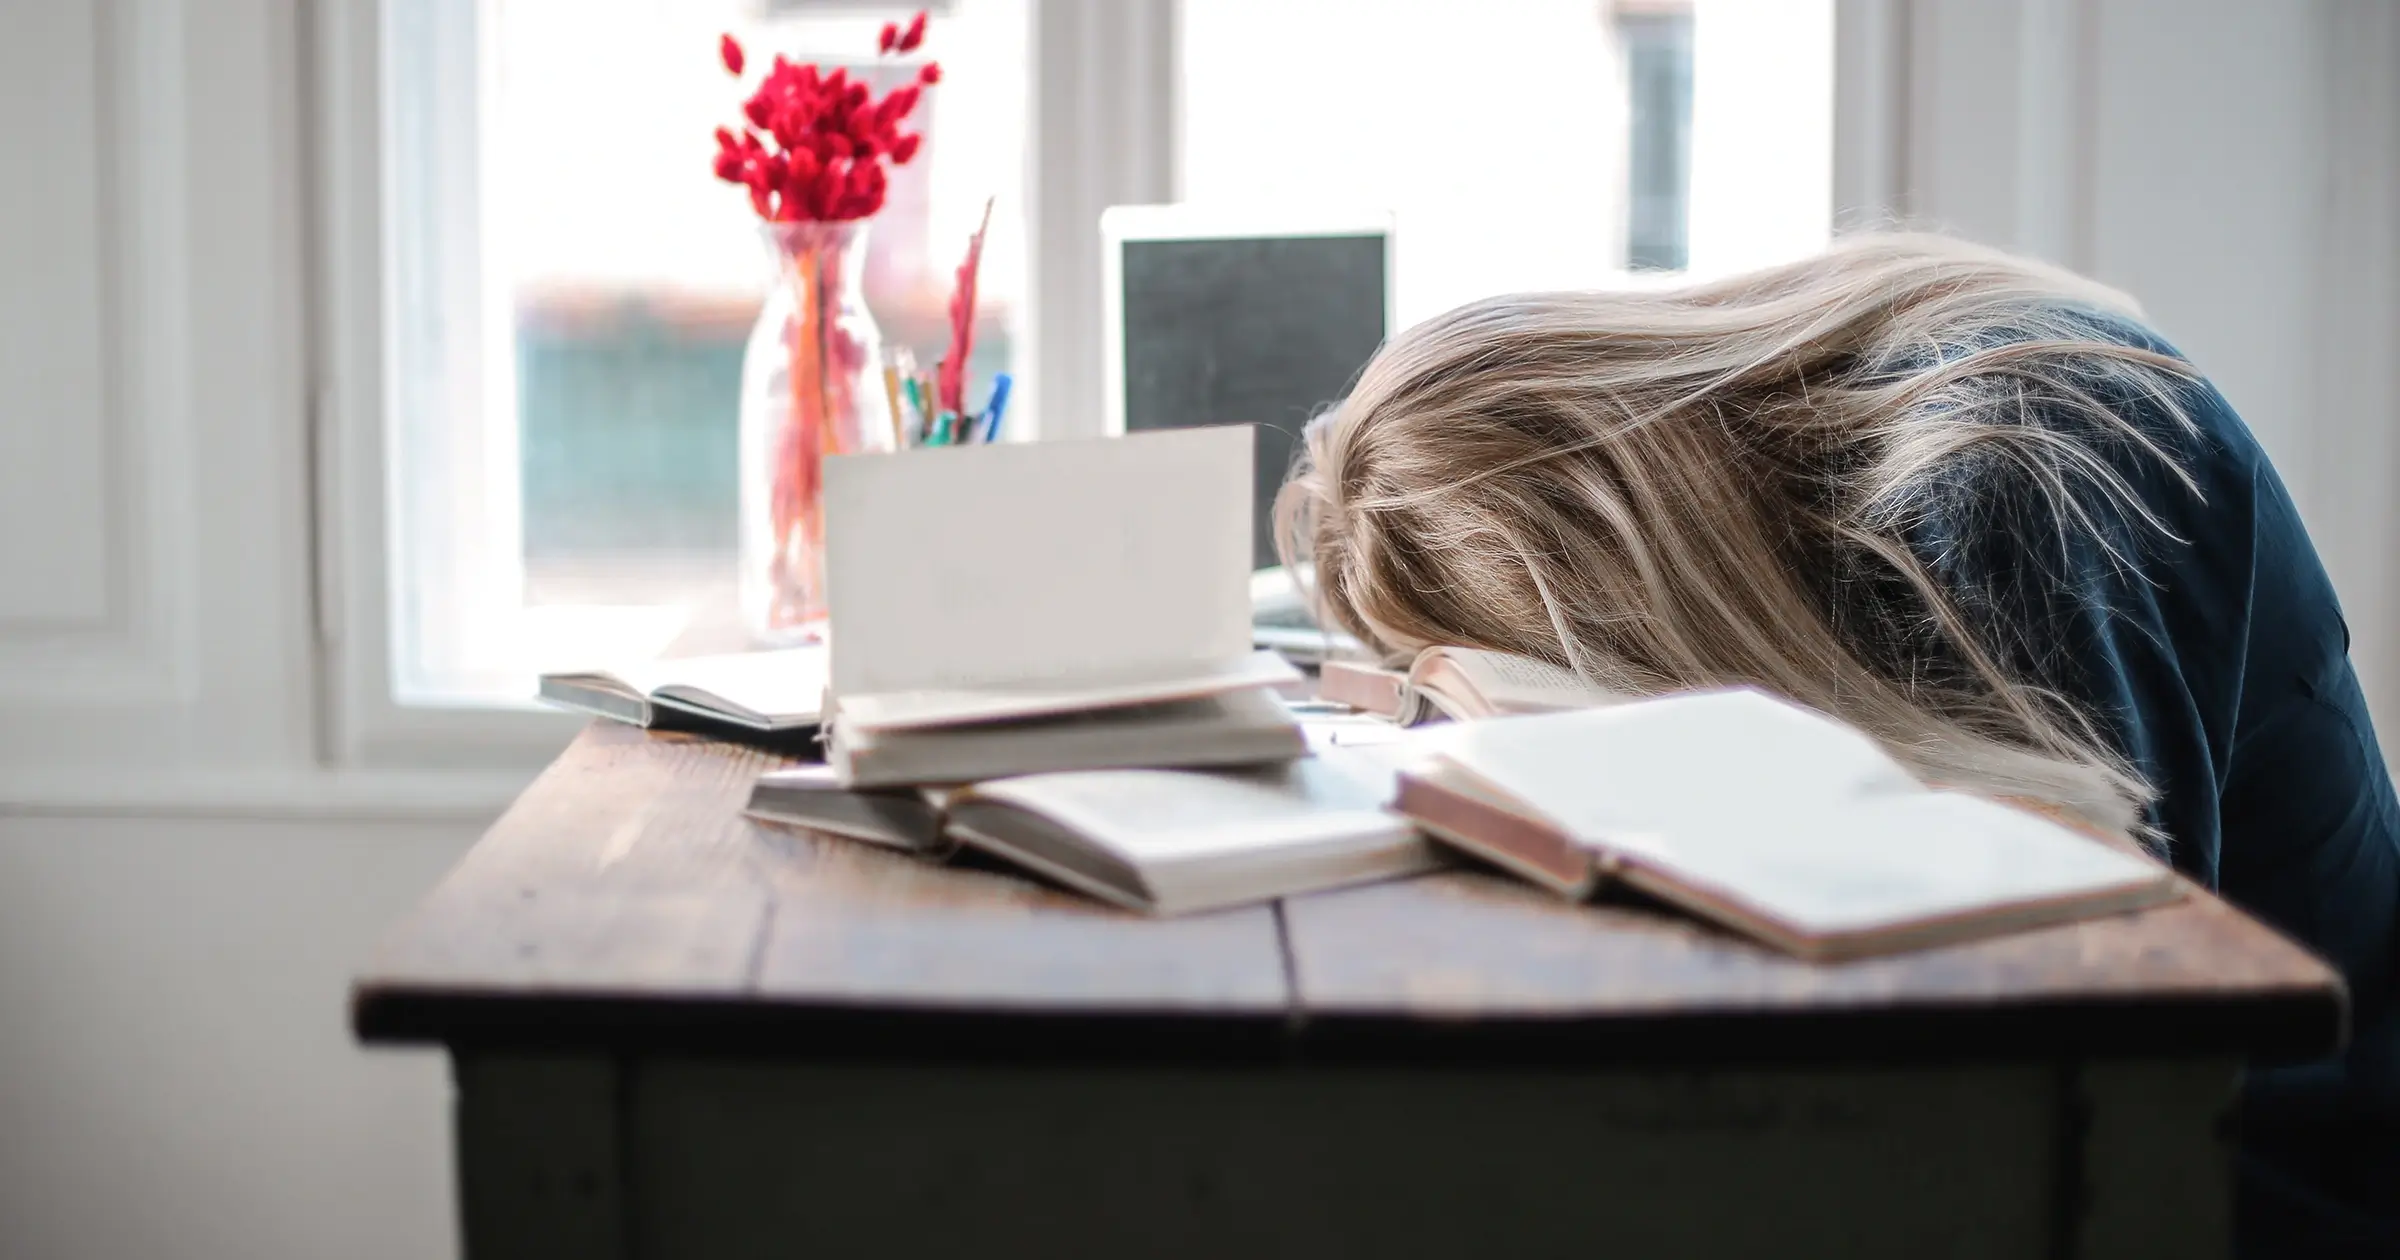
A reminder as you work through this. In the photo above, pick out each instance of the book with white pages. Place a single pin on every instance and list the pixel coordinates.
(775, 693)
(1458, 683)
(1242, 728)
(980, 588)
(908, 819)
(1768, 818)
(1183, 841)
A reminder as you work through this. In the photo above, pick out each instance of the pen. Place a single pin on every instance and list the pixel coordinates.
(997, 409)
(920, 415)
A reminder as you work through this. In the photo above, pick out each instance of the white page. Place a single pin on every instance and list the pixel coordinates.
(1159, 817)
(1740, 757)
(986, 566)
(781, 683)
(1783, 809)
(1521, 684)
(900, 710)
(1889, 861)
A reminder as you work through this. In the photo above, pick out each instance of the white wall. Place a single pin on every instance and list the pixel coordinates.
(176, 1074)
(188, 873)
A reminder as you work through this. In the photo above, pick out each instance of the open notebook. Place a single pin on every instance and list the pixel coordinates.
(1768, 818)
(1458, 683)
(1040, 606)
(770, 693)
(1177, 841)
(1159, 841)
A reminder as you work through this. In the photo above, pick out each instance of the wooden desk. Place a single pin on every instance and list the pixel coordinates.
(676, 1032)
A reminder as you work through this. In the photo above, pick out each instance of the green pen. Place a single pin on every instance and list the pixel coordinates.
(916, 405)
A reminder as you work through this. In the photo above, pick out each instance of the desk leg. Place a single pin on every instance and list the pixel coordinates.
(539, 1172)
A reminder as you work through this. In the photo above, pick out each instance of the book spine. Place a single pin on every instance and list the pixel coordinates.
(1539, 852)
(1363, 687)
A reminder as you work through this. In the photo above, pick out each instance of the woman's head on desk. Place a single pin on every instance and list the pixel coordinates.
(1731, 483)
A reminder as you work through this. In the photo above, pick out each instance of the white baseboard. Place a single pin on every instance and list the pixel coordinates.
(327, 795)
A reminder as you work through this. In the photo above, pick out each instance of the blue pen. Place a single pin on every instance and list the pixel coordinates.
(994, 410)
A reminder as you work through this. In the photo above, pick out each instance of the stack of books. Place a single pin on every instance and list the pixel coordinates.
(1018, 609)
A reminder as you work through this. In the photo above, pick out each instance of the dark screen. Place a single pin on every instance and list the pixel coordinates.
(1263, 331)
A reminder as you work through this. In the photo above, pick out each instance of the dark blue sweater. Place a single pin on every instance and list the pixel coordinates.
(2215, 654)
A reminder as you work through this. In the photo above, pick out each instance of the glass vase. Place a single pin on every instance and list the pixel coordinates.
(812, 386)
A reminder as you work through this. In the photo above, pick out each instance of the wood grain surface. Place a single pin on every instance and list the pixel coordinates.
(624, 895)
(1472, 948)
(625, 886)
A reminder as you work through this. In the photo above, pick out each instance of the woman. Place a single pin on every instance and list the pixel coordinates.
(1966, 503)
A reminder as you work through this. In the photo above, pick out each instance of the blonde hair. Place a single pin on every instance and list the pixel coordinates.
(1688, 488)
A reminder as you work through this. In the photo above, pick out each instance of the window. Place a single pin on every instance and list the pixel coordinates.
(565, 289)
(571, 291)
(1658, 148)
(1523, 144)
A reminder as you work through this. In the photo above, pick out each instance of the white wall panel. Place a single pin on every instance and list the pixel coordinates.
(56, 539)
(153, 535)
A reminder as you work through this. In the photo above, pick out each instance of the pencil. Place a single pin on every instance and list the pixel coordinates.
(891, 394)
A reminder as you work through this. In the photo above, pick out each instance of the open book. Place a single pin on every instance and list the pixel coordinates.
(1767, 818)
(1177, 841)
(1162, 841)
(1017, 608)
(809, 796)
(1459, 683)
(770, 693)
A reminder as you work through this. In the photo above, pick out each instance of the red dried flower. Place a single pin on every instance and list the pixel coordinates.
(731, 50)
(950, 376)
(817, 143)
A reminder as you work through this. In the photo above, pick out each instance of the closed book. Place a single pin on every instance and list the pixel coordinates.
(1233, 729)
(1767, 818)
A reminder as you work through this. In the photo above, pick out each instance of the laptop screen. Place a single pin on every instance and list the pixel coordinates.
(1264, 330)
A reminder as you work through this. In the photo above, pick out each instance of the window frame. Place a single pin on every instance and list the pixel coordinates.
(1101, 132)
(1103, 129)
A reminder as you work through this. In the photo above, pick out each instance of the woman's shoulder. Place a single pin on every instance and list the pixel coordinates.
(2137, 458)
(2173, 402)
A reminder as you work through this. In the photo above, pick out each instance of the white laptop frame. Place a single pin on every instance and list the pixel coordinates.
(1123, 225)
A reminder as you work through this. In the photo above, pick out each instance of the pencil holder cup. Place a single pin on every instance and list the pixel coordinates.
(811, 387)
